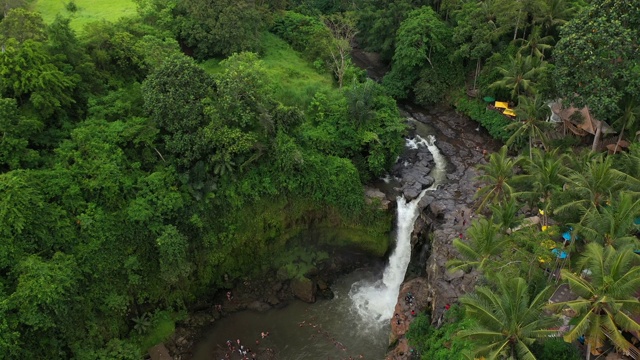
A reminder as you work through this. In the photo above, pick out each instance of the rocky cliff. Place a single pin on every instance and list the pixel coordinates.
(445, 214)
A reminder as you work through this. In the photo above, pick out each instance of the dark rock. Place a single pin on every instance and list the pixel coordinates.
(273, 300)
(304, 289)
(258, 306)
(322, 285)
(372, 194)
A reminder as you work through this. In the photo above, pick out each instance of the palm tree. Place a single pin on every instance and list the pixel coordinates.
(485, 243)
(531, 112)
(555, 13)
(592, 185)
(508, 321)
(543, 176)
(606, 299)
(613, 224)
(629, 117)
(536, 44)
(629, 164)
(520, 74)
(497, 175)
(505, 215)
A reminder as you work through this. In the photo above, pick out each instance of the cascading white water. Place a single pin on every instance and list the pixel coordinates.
(376, 301)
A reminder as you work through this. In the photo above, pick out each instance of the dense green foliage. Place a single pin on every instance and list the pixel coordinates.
(493, 121)
(133, 181)
(431, 343)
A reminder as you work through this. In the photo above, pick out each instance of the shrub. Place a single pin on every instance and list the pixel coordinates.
(304, 33)
(71, 6)
(555, 349)
(493, 121)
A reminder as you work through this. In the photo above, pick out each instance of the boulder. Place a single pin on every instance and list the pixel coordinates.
(304, 289)
(258, 306)
(372, 194)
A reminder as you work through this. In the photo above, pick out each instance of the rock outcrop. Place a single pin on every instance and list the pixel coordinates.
(304, 289)
(445, 214)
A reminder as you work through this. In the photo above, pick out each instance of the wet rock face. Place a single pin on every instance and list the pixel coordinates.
(304, 289)
(412, 170)
(372, 194)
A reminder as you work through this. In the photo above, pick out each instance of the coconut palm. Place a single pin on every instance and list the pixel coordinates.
(531, 112)
(505, 215)
(555, 13)
(629, 164)
(536, 44)
(606, 299)
(613, 224)
(485, 243)
(544, 170)
(520, 74)
(496, 175)
(508, 320)
(592, 185)
(629, 117)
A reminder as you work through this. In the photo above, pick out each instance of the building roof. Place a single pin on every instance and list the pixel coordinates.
(581, 118)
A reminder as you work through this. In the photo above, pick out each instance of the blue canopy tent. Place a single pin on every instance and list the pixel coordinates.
(559, 254)
(561, 260)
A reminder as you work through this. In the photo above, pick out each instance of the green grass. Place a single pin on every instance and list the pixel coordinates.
(88, 10)
(295, 79)
(164, 325)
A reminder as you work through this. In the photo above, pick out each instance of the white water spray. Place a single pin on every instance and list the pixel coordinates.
(375, 302)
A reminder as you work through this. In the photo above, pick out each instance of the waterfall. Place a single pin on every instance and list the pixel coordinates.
(375, 302)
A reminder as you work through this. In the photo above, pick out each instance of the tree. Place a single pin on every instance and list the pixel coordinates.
(422, 37)
(505, 215)
(16, 130)
(606, 297)
(612, 225)
(543, 178)
(555, 13)
(22, 25)
(172, 247)
(497, 176)
(484, 245)
(29, 75)
(7, 5)
(173, 96)
(221, 27)
(536, 44)
(508, 320)
(344, 31)
(520, 75)
(592, 186)
(596, 57)
(627, 120)
(532, 113)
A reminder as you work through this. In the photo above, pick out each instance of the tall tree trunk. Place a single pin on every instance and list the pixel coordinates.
(619, 137)
(475, 78)
(515, 31)
(588, 351)
(596, 138)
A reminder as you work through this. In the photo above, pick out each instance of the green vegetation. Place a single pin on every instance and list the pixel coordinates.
(153, 154)
(87, 11)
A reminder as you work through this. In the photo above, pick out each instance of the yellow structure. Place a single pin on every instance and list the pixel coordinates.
(502, 105)
(509, 112)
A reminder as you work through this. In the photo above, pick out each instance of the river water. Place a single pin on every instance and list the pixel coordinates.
(353, 325)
